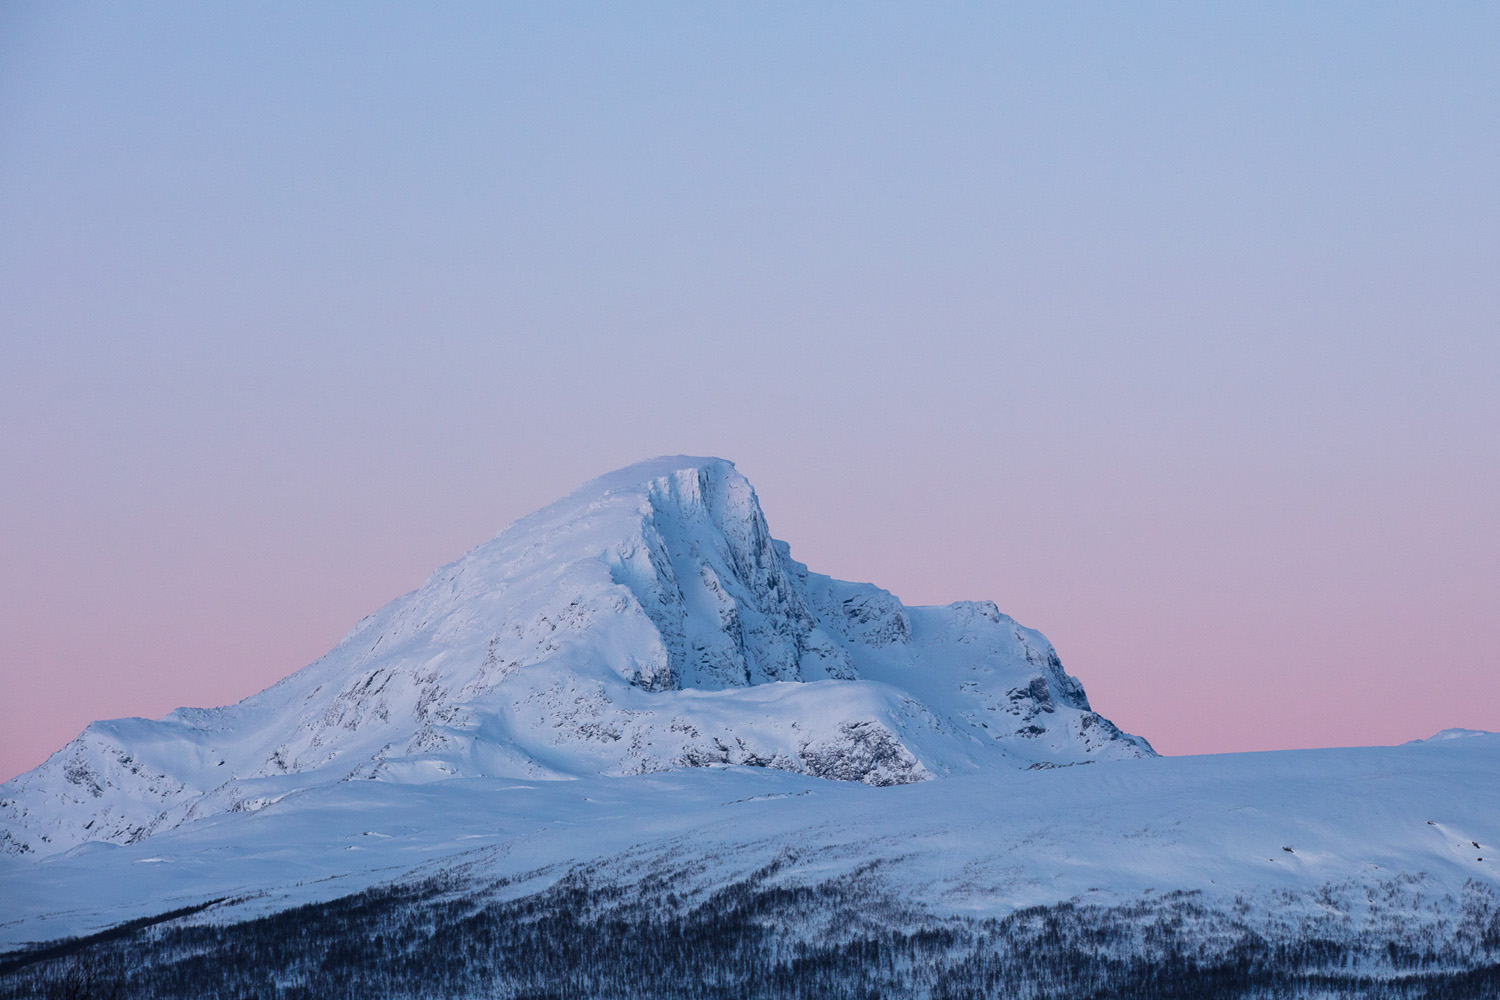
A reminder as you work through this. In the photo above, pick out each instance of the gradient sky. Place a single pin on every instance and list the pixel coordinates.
(1173, 329)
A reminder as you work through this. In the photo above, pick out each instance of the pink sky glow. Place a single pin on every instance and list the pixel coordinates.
(1173, 331)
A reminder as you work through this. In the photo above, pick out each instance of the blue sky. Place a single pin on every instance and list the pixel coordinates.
(1171, 328)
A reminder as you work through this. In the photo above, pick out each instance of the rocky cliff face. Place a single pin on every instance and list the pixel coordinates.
(646, 622)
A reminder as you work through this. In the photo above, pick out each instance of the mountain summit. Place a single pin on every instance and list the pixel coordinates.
(646, 622)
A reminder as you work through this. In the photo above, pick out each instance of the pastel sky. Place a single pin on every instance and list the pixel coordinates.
(1173, 329)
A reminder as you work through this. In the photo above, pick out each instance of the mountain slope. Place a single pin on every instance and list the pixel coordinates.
(1304, 845)
(644, 623)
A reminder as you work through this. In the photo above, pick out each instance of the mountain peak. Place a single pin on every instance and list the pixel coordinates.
(645, 622)
(656, 470)
(662, 479)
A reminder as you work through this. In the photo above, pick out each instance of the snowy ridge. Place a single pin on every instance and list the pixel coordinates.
(645, 623)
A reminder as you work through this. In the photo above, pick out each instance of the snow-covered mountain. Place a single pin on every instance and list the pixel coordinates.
(645, 623)
(631, 748)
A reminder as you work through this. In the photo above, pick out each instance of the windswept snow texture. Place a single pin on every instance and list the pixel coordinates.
(645, 623)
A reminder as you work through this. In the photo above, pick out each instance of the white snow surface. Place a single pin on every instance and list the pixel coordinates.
(1344, 839)
(645, 623)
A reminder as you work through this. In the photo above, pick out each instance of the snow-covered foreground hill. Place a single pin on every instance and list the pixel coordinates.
(631, 748)
(1380, 857)
(1361, 823)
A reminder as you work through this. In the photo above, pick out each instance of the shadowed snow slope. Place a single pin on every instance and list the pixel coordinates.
(644, 623)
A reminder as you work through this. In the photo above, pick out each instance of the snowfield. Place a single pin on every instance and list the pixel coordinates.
(1377, 833)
